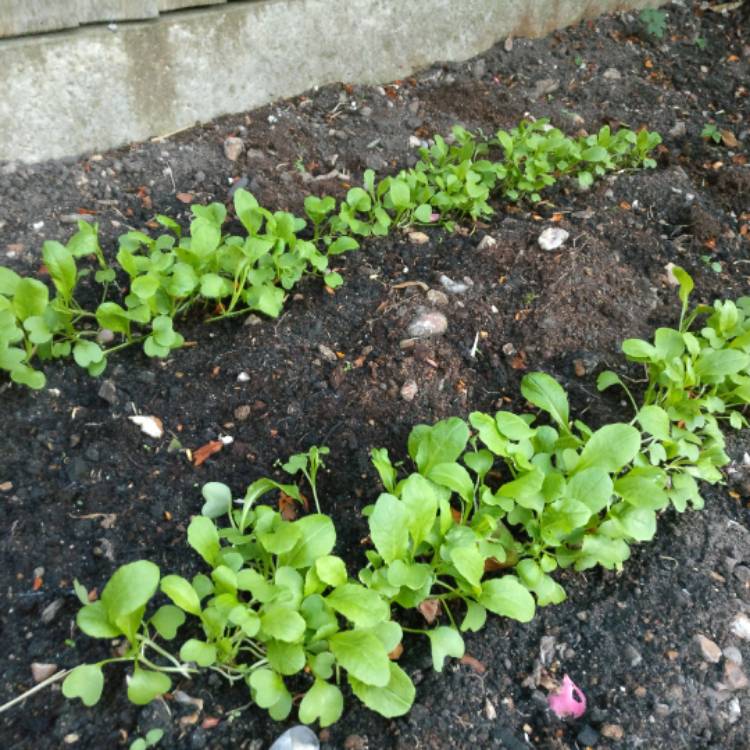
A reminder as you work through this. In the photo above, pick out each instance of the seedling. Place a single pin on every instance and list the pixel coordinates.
(654, 22)
(711, 132)
(152, 739)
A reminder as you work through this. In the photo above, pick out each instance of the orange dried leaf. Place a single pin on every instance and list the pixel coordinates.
(210, 722)
(37, 583)
(475, 664)
(430, 609)
(185, 197)
(201, 454)
(287, 507)
(395, 655)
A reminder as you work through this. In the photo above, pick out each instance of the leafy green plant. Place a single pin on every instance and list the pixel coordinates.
(493, 508)
(275, 605)
(654, 22)
(152, 739)
(711, 132)
(228, 275)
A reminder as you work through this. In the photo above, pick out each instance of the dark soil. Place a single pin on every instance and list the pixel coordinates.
(83, 491)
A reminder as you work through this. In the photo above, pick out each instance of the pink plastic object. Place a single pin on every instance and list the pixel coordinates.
(569, 700)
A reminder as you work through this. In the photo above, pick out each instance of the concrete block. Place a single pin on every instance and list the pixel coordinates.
(93, 89)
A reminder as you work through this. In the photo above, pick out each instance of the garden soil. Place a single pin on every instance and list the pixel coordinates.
(82, 490)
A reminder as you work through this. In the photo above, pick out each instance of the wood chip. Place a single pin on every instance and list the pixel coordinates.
(201, 454)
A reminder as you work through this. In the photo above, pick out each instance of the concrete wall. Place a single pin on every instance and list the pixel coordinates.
(93, 88)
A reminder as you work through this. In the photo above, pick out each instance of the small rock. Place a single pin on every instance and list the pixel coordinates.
(710, 651)
(633, 655)
(742, 574)
(243, 377)
(327, 353)
(545, 86)
(733, 654)
(678, 130)
(734, 711)
(588, 736)
(662, 710)
(552, 238)
(108, 392)
(241, 413)
(418, 238)
(612, 74)
(428, 323)
(741, 626)
(487, 243)
(366, 111)
(151, 426)
(480, 68)
(297, 738)
(613, 731)
(415, 142)
(50, 611)
(40, 672)
(453, 287)
(252, 320)
(105, 336)
(409, 390)
(233, 147)
(734, 677)
(436, 297)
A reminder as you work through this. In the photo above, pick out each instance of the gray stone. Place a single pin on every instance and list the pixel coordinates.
(734, 677)
(588, 736)
(436, 297)
(612, 74)
(709, 650)
(545, 86)
(409, 390)
(297, 738)
(733, 654)
(553, 238)
(108, 392)
(428, 323)
(633, 655)
(455, 287)
(233, 147)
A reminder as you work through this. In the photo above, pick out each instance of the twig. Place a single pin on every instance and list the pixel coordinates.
(45, 683)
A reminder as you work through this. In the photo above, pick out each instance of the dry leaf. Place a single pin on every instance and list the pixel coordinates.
(430, 609)
(395, 655)
(519, 361)
(729, 139)
(475, 664)
(151, 426)
(287, 507)
(418, 238)
(210, 722)
(202, 453)
(185, 197)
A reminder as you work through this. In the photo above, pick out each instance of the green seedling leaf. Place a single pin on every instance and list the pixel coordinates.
(204, 538)
(87, 353)
(9, 281)
(610, 448)
(31, 298)
(92, 619)
(548, 395)
(508, 597)
(395, 698)
(389, 527)
(181, 592)
(331, 570)
(126, 594)
(167, 621)
(363, 655)
(218, 499)
(200, 652)
(322, 701)
(317, 539)
(85, 682)
(282, 623)
(445, 642)
(61, 266)
(286, 658)
(475, 617)
(146, 685)
(361, 606)
(268, 687)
